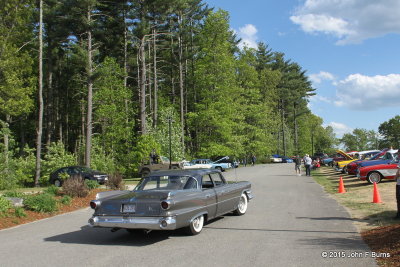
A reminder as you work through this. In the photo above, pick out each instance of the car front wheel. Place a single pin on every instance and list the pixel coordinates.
(196, 225)
(374, 177)
(242, 206)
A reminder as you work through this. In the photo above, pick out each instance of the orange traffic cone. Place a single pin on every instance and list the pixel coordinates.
(377, 197)
(341, 186)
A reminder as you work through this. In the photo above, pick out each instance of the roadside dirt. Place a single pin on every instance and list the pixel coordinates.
(76, 203)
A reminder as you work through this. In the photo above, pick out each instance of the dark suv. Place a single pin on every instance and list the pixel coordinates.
(86, 173)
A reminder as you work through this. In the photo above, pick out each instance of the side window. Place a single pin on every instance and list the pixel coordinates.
(191, 184)
(206, 182)
(216, 177)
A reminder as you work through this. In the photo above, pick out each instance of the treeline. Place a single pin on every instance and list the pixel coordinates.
(119, 76)
(388, 136)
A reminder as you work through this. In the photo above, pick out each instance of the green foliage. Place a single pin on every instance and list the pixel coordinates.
(55, 158)
(66, 200)
(390, 130)
(41, 203)
(5, 205)
(52, 190)
(161, 134)
(19, 212)
(91, 184)
(13, 193)
(100, 160)
(144, 145)
(359, 140)
(75, 187)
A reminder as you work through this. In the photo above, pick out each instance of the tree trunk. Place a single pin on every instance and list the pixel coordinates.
(142, 94)
(40, 100)
(155, 82)
(90, 94)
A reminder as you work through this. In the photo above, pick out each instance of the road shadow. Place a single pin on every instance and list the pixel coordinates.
(102, 236)
(333, 243)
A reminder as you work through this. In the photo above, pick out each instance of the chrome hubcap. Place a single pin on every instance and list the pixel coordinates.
(198, 223)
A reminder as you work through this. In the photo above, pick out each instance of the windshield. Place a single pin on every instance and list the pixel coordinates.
(166, 183)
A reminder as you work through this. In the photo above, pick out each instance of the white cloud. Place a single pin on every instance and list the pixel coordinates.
(362, 92)
(321, 76)
(340, 129)
(248, 34)
(351, 21)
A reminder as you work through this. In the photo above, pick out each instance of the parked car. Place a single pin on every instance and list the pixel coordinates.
(342, 165)
(339, 164)
(162, 163)
(225, 159)
(218, 164)
(187, 165)
(168, 200)
(86, 173)
(351, 168)
(286, 159)
(276, 158)
(375, 173)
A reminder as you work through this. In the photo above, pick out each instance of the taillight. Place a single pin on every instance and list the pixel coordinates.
(164, 205)
(93, 204)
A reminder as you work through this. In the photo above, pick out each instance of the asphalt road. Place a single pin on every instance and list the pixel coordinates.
(290, 222)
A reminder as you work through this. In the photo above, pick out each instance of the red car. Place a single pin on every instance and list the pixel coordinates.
(375, 173)
(351, 168)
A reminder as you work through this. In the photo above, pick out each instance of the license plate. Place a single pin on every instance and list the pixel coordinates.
(129, 208)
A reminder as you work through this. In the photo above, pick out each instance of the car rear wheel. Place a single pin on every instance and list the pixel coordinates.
(374, 177)
(242, 206)
(57, 183)
(196, 225)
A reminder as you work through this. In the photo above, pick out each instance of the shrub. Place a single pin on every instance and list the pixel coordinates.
(66, 200)
(75, 187)
(41, 203)
(115, 182)
(5, 205)
(13, 193)
(91, 184)
(19, 212)
(52, 190)
(56, 157)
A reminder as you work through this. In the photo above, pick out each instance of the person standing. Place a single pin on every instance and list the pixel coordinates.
(307, 164)
(398, 188)
(253, 160)
(297, 164)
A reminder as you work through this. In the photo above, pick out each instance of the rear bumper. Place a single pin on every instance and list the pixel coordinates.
(148, 223)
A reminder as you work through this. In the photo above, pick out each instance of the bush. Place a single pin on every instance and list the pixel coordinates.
(52, 190)
(115, 182)
(75, 187)
(55, 158)
(41, 203)
(5, 205)
(13, 193)
(91, 184)
(19, 212)
(66, 200)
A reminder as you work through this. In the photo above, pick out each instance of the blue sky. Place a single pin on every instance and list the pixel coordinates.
(349, 48)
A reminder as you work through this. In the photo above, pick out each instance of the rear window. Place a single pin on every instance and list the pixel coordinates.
(167, 183)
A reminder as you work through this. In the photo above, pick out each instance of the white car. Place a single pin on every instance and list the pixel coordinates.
(186, 165)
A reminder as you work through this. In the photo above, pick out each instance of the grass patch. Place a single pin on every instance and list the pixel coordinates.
(358, 197)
